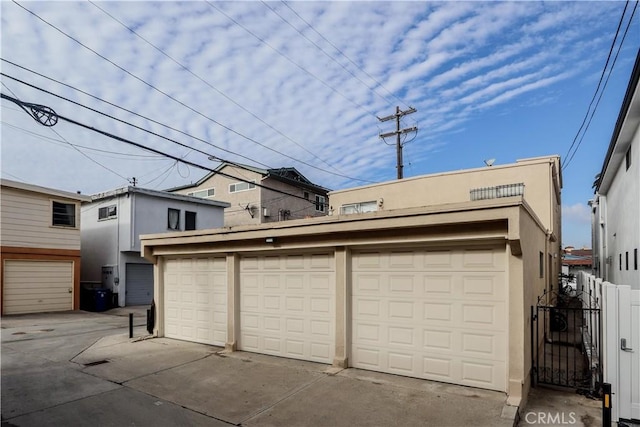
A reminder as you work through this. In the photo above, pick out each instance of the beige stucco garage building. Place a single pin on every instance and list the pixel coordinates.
(440, 291)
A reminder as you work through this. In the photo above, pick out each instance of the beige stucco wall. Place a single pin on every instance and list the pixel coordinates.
(258, 197)
(540, 176)
(236, 213)
(509, 222)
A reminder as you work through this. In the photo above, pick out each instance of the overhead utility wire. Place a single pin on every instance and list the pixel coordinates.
(123, 121)
(184, 67)
(124, 109)
(595, 94)
(63, 143)
(21, 104)
(327, 85)
(604, 87)
(339, 50)
(175, 99)
(153, 150)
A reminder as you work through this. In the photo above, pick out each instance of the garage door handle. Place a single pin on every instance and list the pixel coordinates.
(623, 345)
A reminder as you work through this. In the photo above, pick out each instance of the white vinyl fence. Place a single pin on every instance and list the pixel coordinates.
(620, 347)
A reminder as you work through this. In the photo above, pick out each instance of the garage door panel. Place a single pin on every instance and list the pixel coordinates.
(32, 286)
(287, 305)
(195, 299)
(442, 317)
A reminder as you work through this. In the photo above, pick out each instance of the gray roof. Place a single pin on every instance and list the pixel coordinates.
(288, 175)
(157, 193)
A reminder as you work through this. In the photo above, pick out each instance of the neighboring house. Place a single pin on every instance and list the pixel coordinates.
(114, 220)
(616, 204)
(576, 260)
(40, 258)
(251, 196)
(616, 240)
(440, 290)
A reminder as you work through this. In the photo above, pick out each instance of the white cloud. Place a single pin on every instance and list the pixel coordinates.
(448, 59)
(577, 213)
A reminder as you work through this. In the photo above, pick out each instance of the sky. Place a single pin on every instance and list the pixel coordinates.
(303, 84)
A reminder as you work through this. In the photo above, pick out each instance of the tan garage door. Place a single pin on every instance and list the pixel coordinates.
(439, 315)
(195, 298)
(37, 286)
(287, 306)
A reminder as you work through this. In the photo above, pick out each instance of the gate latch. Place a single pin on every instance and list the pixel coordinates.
(623, 345)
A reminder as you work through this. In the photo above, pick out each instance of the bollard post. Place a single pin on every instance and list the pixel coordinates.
(606, 405)
(130, 325)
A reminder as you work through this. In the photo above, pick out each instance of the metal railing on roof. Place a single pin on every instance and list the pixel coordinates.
(507, 190)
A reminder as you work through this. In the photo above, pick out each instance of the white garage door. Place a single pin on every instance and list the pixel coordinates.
(195, 298)
(37, 286)
(287, 306)
(438, 315)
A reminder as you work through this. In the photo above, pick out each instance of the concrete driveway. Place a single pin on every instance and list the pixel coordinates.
(80, 368)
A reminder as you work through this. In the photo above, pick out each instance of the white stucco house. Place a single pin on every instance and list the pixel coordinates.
(616, 204)
(112, 224)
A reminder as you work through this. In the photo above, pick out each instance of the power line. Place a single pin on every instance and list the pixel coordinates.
(184, 67)
(595, 94)
(20, 103)
(175, 99)
(123, 109)
(341, 53)
(327, 85)
(141, 146)
(125, 122)
(64, 143)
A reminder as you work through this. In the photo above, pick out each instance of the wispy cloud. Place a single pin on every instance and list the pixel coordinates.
(450, 60)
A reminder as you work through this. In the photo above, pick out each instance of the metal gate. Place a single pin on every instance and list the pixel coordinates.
(566, 340)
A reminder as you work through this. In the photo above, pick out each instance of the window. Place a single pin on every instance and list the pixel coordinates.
(626, 260)
(173, 219)
(305, 195)
(107, 212)
(635, 259)
(354, 208)
(63, 214)
(627, 158)
(241, 186)
(541, 264)
(320, 203)
(203, 194)
(189, 220)
(620, 262)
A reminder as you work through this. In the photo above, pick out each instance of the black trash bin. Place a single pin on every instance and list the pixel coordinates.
(94, 298)
(101, 300)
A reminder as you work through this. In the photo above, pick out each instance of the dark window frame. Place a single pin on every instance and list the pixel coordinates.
(107, 212)
(190, 220)
(626, 260)
(321, 202)
(541, 264)
(62, 216)
(169, 219)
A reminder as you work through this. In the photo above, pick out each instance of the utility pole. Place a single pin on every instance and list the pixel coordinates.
(398, 132)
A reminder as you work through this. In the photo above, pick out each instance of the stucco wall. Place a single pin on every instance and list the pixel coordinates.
(622, 228)
(454, 187)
